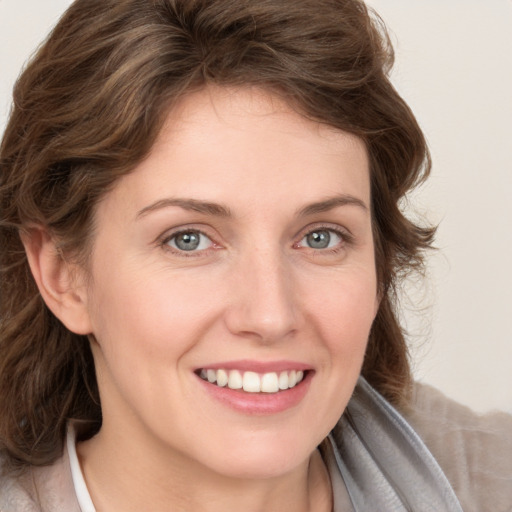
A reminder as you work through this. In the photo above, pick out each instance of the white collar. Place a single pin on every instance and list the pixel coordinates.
(82, 493)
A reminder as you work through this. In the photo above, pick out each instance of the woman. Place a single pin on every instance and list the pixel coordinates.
(200, 242)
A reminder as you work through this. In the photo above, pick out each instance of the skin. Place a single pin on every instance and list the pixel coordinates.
(254, 290)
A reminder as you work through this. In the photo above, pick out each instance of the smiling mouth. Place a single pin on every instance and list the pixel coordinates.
(252, 382)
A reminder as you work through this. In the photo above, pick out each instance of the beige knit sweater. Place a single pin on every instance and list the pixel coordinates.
(474, 451)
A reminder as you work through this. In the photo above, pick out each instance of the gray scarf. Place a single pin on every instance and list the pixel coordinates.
(384, 465)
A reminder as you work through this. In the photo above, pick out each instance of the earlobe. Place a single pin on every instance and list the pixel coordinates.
(57, 280)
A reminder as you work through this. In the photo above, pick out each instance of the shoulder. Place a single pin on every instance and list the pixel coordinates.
(39, 489)
(473, 450)
(16, 492)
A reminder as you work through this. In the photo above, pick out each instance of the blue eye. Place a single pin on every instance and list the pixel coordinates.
(321, 239)
(189, 241)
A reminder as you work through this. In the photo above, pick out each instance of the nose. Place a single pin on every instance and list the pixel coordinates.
(263, 298)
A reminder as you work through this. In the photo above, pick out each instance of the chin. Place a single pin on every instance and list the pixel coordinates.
(259, 457)
(258, 468)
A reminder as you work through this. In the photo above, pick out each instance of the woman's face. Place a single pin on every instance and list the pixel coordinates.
(240, 250)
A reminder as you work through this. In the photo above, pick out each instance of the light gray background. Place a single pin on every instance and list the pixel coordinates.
(454, 67)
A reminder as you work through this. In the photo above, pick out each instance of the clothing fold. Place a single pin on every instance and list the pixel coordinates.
(378, 459)
(384, 463)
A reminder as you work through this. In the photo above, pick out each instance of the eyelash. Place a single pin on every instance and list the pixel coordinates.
(345, 239)
(165, 241)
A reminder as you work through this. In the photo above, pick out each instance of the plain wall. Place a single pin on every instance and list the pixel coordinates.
(454, 67)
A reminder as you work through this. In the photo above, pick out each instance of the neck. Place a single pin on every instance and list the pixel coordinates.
(120, 477)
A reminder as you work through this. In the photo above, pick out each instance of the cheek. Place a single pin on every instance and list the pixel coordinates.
(144, 327)
(154, 314)
(342, 318)
(345, 311)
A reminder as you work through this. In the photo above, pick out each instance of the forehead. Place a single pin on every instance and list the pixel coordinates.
(247, 147)
(248, 116)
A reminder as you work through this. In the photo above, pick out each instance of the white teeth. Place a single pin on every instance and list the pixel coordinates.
(270, 383)
(235, 380)
(222, 378)
(283, 380)
(252, 382)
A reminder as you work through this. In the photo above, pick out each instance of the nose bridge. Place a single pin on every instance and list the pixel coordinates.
(264, 300)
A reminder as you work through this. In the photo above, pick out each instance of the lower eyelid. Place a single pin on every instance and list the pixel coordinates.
(166, 242)
(344, 238)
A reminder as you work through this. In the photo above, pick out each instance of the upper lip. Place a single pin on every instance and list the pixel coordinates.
(247, 365)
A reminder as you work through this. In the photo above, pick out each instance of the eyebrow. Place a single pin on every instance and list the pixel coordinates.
(331, 203)
(209, 208)
(194, 205)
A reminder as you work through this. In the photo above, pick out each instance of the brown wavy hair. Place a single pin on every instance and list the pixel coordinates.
(87, 110)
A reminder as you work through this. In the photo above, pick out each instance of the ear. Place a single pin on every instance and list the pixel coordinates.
(57, 280)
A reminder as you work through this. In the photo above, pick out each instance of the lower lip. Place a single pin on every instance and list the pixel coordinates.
(259, 403)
